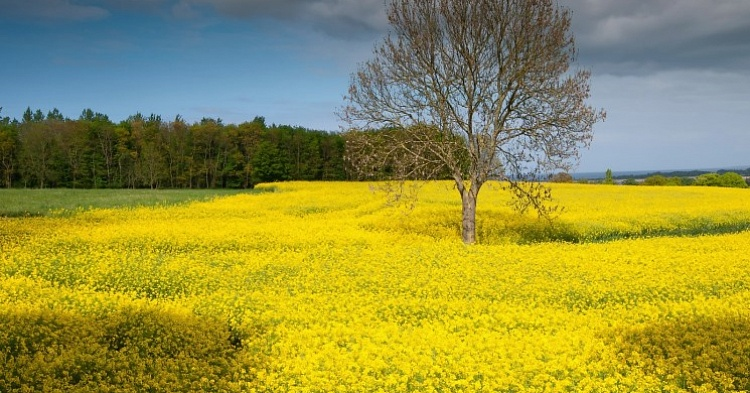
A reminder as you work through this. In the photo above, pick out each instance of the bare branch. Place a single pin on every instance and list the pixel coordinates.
(471, 91)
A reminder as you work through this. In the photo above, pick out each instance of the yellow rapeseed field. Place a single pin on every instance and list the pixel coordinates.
(322, 287)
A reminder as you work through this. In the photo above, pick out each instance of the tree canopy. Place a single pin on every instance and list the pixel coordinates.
(478, 90)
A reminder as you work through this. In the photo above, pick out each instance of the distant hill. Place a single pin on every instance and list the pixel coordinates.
(621, 175)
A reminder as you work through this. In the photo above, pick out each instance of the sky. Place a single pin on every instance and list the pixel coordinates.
(672, 75)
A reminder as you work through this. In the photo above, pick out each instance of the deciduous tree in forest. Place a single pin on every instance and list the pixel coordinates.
(72, 141)
(481, 89)
(177, 140)
(38, 153)
(249, 136)
(332, 149)
(150, 160)
(102, 145)
(8, 146)
(207, 143)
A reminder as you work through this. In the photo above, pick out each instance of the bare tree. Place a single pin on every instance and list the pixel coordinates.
(479, 89)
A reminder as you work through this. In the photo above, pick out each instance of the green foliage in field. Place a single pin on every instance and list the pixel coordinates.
(656, 180)
(114, 345)
(675, 349)
(727, 179)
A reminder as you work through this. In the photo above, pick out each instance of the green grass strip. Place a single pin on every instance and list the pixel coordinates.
(49, 202)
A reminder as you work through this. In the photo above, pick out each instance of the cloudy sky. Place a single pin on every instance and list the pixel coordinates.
(673, 75)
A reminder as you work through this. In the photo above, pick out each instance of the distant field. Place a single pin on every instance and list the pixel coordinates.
(44, 202)
(323, 287)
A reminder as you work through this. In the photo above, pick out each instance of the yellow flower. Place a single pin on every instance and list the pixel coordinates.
(324, 287)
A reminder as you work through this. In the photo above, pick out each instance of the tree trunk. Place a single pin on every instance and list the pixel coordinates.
(469, 213)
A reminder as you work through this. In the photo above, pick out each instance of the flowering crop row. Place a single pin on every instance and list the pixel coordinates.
(320, 287)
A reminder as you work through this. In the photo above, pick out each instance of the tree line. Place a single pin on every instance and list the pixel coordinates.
(50, 150)
(720, 178)
(709, 179)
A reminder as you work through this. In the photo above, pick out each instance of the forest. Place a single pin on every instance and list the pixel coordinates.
(46, 151)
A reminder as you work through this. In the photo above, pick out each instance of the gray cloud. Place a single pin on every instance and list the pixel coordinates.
(62, 10)
(644, 36)
(133, 5)
(613, 36)
(77, 10)
(352, 19)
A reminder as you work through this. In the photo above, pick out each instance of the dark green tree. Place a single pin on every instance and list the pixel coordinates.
(207, 140)
(38, 154)
(102, 148)
(249, 137)
(656, 180)
(332, 149)
(74, 148)
(55, 114)
(608, 177)
(726, 179)
(8, 150)
(268, 164)
(92, 151)
(177, 142)
(732, 179)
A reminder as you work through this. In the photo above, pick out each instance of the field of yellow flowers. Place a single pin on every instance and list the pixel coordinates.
(323, 287)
